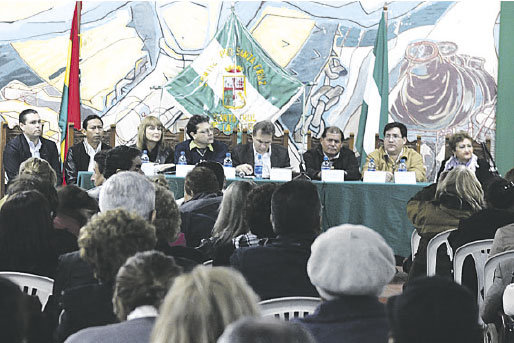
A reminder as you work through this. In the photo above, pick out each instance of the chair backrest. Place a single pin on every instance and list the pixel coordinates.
(433, 245)
(208, 263)
(490, 266)
(348, 142)
(77, 136)
(281, 140)
(479, 250)
(416, 145)
(32, 284)
(289, 307)
(173, 139)
(414, 242)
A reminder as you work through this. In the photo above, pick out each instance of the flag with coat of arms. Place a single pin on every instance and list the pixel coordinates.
(234, 81)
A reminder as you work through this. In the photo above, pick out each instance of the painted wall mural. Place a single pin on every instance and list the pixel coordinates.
(442, 61)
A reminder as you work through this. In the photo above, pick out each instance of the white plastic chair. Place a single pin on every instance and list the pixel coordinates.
(289, 307)
(433, 245)
(490, 266)
(414, 243)
(32, 284)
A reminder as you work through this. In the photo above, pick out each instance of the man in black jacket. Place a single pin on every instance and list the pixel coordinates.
(339, 157)
(273, 155)
(30, 144)
(81, 156)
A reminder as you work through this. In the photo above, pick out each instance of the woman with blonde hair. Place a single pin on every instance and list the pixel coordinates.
(150, 137)
(229, 224)
(200, 304)
(440, 207)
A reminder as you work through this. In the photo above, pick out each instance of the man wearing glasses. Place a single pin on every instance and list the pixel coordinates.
(201, 146)
(273, 155)
(387, 158)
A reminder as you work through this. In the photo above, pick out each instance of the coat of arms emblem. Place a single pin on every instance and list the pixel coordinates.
(234, 88)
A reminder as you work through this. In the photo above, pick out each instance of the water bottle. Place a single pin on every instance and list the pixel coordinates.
(371, 165)
(258, 167)
(402, 166)
(227, 162)
(144, 157)
(325, 165)
(182, 160)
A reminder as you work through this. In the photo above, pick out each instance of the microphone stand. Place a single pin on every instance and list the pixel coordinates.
(303, 175)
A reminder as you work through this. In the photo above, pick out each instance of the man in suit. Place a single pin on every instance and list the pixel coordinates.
(201, 146)
(273, 155)
(30, 144)
(340, 157)
(81, 156)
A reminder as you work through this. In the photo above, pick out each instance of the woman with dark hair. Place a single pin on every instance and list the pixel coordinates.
(26, 235)
(461, 145)
(74, 210)
(150, 137)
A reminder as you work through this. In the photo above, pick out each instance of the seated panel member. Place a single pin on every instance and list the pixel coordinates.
(81, 156)
(30, 144)
(201, 146)
(273, 155)
(150, 137)
(331, 145)
(387, 157)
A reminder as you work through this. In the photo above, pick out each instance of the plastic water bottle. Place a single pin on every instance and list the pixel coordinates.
(144, 157)
(325, 165)
(182, 160)
(258, 167)
(227, 162)
(402, 167)
(371, 165)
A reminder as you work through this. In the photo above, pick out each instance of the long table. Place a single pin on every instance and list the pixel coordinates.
(380, 206)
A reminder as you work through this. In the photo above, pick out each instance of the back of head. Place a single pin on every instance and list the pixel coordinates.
(130, 191)
(119, 158)
(144, 279)
(217, 168)
(100, 158)
(258, 210)
(167, 215)
(76, 203)
(434, 309)
(462, 183)
(200, 304)
(200, 180)
(510, 175)
(350, 260)
(500, 194)
(265, 330)
(295, 208)
(32, 182)
(193, 122)
(111, 237)
(40, 168)
(11, 312)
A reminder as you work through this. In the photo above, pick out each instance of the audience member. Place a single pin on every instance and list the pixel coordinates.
(201, 205)
(493, 304)
(122, 158)
(510, 175)
(265, 330)
(461, 145)
(201, 146)
(27, 242)
(278, 268)
(74, 210)
(150, 137)
(141, 285)
(504, 236)
(40, 168)
(434, 309)
(456, 197)
(339, 157)
(30, 144)
(217, 168)
(272, 155)
(80, 157)
(350, 265)
(105, 243)
(257, 213)
(200, 304)
(388, 157)
(229, 224)
(98, 177)
(31, 182)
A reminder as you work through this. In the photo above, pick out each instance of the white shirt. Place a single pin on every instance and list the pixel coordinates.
(143, 311)
(34, 148)
(91, 152)
(266, 162)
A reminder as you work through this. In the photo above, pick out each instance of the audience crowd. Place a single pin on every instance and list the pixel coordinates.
(126, 256)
